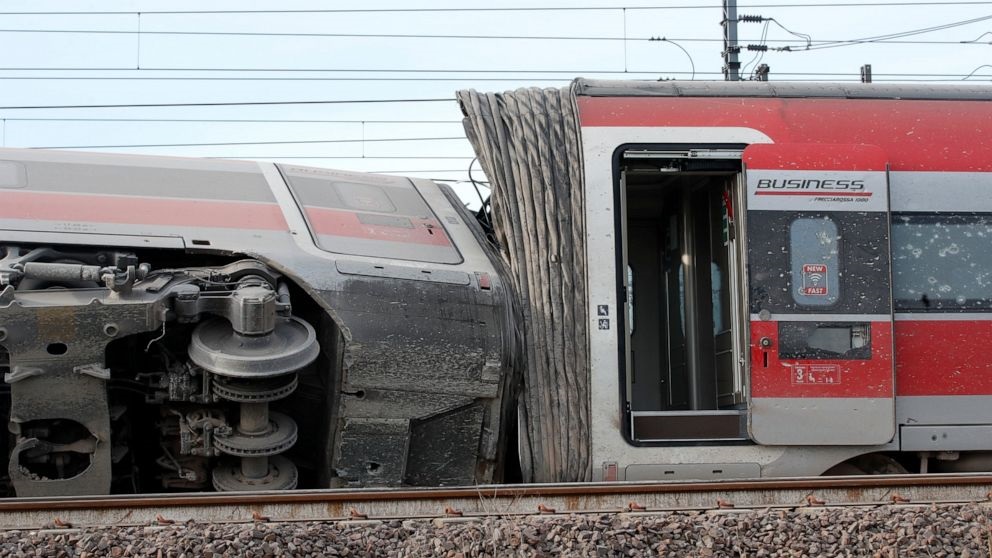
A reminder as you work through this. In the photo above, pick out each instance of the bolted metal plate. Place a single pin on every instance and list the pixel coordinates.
(282, 475)
(219, 349)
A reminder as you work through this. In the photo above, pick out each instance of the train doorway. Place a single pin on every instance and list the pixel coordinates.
(682, 277)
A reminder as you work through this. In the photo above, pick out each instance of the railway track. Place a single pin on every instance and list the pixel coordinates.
(465, 504)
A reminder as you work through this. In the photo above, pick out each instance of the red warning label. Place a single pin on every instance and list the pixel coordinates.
(814, 280)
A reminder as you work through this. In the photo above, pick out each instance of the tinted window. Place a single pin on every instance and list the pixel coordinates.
(942, 262)
(815, 257)
(824, 340)
(369, 215)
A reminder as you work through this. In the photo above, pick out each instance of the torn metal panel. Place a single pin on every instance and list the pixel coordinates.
(528, 144)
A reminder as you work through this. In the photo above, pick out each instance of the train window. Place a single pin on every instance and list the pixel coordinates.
(12, 175)
(815, 256)
(365, 197)
(379, 216)
(942, 262)
(824, 340)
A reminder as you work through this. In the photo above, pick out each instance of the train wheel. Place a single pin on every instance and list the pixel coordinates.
(870, 464)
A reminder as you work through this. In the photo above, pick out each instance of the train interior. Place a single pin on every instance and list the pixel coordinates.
(685, 313)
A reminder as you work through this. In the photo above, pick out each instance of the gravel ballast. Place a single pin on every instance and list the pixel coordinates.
(886, 531)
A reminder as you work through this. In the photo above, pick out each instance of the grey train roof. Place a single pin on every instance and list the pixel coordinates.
(617, 88)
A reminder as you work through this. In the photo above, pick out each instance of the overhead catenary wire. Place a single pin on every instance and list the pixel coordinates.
(241, 78)
(232, 143)
(760, 51)
(226, 104)
(653, 76)
(425, 100)
(803, 36)
(652, 73)
(977, 39)
(419, 72)
(898, 35)
(625, 71)
(439, 36)
(355, 157)
(522, 71)
(329, 35)
(232, 120)
(421, 170)
(692, 63)
(503, 9)
(877, 39)
(226, 78)
(973, 72)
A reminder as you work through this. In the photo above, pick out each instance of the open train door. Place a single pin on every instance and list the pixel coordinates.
(820, 295)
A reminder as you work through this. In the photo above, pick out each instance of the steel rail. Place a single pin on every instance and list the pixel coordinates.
(464, 503)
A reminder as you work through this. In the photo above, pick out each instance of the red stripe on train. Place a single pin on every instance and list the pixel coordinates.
(932, 358)
(944, 357)
(853, 378)
(814, 157)
(335, 222)
(915, 135)
(818, 194)
(135, 210)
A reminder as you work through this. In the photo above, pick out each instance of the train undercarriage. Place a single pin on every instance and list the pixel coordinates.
(131, 374)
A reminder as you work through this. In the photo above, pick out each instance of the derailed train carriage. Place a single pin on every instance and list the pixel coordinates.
(193, 325)
(690, 280)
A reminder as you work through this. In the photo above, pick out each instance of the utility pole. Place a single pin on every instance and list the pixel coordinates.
(731, 63)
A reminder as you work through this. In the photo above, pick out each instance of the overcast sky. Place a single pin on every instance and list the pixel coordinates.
(213, 63)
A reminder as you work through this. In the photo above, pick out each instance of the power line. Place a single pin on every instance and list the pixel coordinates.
(352, 10)
(227, 78)
(977, 39)
(803, 36)
(692, 63)
(413, 170)
(328, 70)
(327, 35)
(500, 9)
(509, 80)
(281, 142)
(425, 36)
(236, 120)
(894, 76)
(187, 78)
(975, 71)
(898, 35)
(227, 104)
(584, 73)
(760, 53)
(412, 157)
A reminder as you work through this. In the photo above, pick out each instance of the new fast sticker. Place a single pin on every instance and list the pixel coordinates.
(814, 280)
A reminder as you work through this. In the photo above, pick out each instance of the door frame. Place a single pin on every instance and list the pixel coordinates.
(701, 153)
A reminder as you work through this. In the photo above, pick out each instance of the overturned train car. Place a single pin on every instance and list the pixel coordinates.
(174, 324)
(713, 280)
